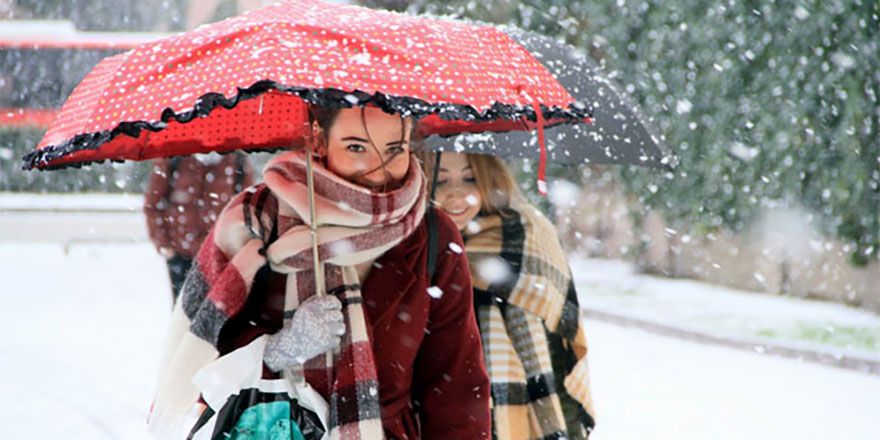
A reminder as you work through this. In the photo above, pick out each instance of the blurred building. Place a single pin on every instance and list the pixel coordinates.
(41, 62)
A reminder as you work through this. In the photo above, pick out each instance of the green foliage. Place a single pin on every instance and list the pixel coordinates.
(864, 338)
(784, 109)
(767, 104)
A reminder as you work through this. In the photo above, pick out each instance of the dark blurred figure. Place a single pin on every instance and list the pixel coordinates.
(184, 197)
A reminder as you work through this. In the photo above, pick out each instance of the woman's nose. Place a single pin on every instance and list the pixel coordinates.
(375, 172)
(452, 193)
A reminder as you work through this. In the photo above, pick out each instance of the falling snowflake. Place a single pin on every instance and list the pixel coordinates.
(564, 193)
(435, 292)
(743, 151)
(473, 227)
(493, 270)
(683, 106)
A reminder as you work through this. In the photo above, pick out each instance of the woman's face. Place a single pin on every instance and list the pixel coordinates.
(370, 149)
(457, 193)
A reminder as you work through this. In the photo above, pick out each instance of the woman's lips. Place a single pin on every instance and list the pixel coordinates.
(455, 211)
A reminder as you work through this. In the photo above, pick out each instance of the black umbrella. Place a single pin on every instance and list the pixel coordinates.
(619, 134)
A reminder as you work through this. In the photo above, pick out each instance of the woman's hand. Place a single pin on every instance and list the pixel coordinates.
(316, 328)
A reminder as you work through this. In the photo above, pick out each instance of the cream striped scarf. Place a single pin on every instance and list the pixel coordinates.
(354, 225)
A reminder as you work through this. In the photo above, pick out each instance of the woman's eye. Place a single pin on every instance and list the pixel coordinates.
(441, 182)
(470, 180)
(393, 151)
(356, 148)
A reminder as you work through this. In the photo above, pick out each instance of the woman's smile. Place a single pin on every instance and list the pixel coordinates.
(457, 192)
(453, 211)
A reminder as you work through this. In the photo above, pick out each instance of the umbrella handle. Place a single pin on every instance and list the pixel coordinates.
(313, 229)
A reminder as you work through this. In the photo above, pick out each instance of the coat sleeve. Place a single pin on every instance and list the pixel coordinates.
(450, 382)
(155, 202)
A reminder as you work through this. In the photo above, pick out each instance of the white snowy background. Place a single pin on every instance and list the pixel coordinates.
(83, 324)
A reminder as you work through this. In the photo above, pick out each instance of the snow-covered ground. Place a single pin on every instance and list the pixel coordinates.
(81, 335)
(71, 218)
(83, 329)
(613, 286)
(651, 387)
(84, 309)
(66, 202)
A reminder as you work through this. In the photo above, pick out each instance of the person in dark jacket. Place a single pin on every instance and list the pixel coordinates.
(184, 197)
(392, 347)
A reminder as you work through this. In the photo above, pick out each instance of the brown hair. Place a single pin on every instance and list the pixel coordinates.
(326, 117)
(494, 182)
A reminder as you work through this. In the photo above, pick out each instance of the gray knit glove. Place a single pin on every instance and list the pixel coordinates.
(316, 328)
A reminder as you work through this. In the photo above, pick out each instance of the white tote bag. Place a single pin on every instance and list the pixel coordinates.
(242, 369)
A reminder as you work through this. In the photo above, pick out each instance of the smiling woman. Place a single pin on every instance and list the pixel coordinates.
(470, 184)
(526, 305)
(457, 192)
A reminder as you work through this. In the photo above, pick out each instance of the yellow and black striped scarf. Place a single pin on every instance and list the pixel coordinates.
(533, 336)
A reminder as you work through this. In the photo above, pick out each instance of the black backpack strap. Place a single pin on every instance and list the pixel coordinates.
(431, 223)
(240, 162)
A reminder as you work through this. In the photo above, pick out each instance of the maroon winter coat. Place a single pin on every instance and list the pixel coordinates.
(181, 206)
(427, 348)
(428, 351)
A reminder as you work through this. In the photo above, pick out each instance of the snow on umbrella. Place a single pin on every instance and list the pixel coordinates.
(618, 134)
(243, 83)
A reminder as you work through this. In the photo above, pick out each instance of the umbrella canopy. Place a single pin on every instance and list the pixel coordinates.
(243, 83)
(619, 132)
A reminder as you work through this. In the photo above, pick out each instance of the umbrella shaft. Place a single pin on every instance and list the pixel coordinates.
(313, 227)
(316, 262)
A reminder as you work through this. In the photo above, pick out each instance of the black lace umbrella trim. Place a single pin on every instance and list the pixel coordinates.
(328, 98)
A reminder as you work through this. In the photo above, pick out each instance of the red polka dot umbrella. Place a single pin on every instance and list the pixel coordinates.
(243, 83)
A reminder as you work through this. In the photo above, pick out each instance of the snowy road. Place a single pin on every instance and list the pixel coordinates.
(82, 332)
(651, 387)
(81, 337)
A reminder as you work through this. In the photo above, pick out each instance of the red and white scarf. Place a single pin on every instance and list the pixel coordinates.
(354, 225)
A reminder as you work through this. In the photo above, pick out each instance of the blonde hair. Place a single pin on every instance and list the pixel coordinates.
(496, 185)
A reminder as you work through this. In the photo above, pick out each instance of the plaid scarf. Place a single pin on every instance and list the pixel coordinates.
(354, 225)
(530, 322)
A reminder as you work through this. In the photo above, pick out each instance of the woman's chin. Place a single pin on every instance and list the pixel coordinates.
(460, 219)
